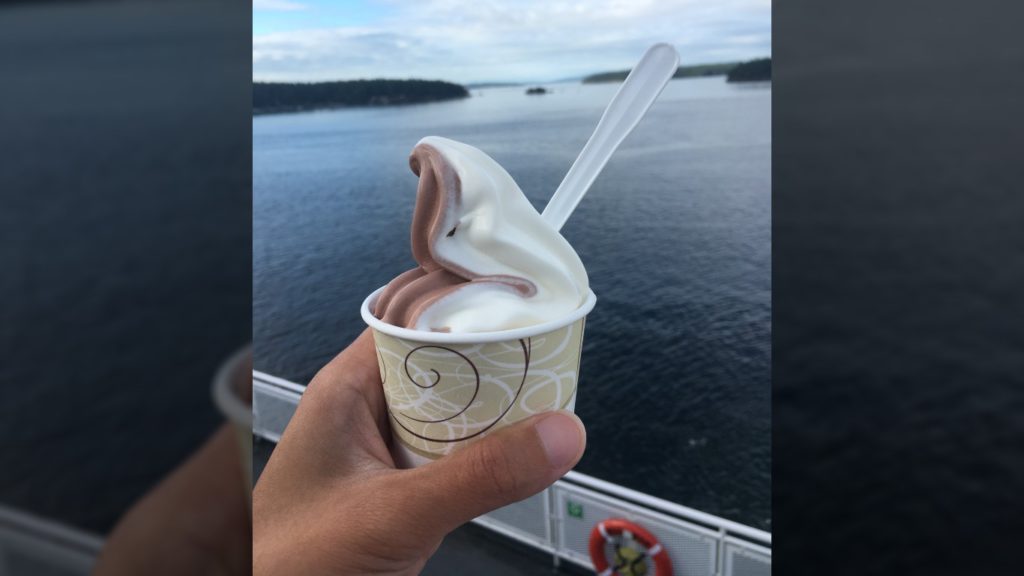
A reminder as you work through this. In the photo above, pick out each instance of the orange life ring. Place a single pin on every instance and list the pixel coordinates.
(617, 529)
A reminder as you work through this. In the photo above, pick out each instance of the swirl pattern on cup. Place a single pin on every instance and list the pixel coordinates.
(488, 425)
(437, 380)
(439, 396)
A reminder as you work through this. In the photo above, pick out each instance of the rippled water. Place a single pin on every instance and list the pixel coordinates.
(675, 235)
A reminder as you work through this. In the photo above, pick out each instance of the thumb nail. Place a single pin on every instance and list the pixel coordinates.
(562, 436)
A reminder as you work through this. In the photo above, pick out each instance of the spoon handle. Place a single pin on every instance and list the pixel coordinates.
(640, 89)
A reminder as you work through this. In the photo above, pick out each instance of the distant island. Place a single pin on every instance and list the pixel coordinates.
(753, 71)
(493, 84)
(536, 90)
(696, 71)
(269, 97)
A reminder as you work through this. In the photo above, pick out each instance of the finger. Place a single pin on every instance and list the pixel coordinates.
(340, 424)
(195, 521)
(508, 466)
(356, 368)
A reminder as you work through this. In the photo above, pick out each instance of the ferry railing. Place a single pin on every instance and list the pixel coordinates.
(559, 520)
(33, 545)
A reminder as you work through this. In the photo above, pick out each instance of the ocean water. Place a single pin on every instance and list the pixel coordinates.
(675, 383)
(123, 237)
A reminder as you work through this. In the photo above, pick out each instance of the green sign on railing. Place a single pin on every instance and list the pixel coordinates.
(575, 509)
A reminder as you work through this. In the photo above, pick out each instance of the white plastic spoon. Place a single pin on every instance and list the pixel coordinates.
(640, 89)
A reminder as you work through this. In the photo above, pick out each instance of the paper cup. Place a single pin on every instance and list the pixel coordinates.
(445, 390)
(232, 392)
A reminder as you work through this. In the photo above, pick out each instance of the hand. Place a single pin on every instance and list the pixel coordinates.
(196, 521)
(330, 500)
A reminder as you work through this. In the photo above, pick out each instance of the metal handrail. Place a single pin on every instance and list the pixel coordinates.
(51, 543)
(730, 527)
(279, 382)
(722, 525)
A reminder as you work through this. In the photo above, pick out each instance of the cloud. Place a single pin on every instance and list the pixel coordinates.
(515, 40)
(277, 5)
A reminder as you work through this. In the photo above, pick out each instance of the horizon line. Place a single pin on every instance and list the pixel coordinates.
(556, 81)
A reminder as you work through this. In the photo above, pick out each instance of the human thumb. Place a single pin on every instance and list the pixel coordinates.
(505, 467)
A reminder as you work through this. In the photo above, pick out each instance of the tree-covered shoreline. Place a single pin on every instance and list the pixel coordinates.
(271, 97)
(698, 71)
(752, 71)
(275, 97)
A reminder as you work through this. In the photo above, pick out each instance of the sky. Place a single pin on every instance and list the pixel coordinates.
(470, 41)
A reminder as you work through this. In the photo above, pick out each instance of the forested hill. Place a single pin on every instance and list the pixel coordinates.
(755, 70)
(283, 97)
(682, 72)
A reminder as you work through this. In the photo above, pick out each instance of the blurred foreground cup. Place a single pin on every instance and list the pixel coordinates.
(232, 392)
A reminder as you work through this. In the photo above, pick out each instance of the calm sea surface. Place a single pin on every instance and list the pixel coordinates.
(675, 234)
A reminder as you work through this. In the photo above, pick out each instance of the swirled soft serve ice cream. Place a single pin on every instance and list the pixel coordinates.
(487, 261)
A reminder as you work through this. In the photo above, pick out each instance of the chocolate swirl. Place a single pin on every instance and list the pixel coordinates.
(435, 218)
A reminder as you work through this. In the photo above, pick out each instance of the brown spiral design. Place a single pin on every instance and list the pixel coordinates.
(527, 347)
(437, 379)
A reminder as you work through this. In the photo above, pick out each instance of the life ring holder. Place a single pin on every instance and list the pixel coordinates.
(616, 528)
